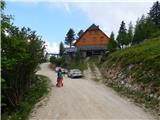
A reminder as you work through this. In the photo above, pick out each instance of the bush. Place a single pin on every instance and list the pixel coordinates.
(22, 50)
(39, 88)
(53, 59)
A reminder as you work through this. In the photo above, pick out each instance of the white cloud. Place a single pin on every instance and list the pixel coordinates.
(59, 5)
(109, 15)
(52, 47)
(67, 7)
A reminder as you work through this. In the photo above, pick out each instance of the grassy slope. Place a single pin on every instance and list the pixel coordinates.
(145, 57)
(142, 62)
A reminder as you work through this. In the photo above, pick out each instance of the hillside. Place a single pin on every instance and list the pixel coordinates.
(135, 71)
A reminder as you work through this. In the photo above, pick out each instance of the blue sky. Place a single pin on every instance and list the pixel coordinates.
(50, 21)
(53, 19)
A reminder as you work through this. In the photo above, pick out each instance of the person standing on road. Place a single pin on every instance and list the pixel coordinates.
(59, 78)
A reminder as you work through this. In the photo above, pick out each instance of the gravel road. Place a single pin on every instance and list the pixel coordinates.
(85, 99)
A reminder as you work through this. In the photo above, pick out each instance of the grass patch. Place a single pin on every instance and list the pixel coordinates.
(145, 57)
(39, 88)
(81, 66)
(92, 62)
(91, 65)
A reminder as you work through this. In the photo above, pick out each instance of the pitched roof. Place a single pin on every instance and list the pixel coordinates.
(93, 27)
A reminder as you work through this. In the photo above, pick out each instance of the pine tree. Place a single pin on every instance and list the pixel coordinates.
(144, 29)
(150, 28)
(53, 59)
(122, 35)
(61, 49)
(155, 13)
(112, 43)
(77, 57)
(139, 31)
(2, 3)
(70, 37)
(130, 34)
(80, 33)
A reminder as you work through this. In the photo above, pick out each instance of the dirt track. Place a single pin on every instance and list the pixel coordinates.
(85, 99)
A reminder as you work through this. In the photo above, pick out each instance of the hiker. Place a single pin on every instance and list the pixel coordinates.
(59, 78)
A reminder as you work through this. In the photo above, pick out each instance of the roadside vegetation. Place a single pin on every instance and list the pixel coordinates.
(38, 89)
(69, 62)
(22, 50)
(92, 61)
(77, 62)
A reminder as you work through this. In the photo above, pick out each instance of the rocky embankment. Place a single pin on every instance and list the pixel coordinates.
(123, 82)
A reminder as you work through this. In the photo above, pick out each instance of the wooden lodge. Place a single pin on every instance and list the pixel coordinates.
(92, 42)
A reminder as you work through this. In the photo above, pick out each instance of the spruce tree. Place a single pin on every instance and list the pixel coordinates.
(61, 49)
(130, 33)
(144, 29)
(122, 35)
(77, 57)
(155, 13)
(80, 33)
(139, 30)
(70, 37)
(112, 43)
